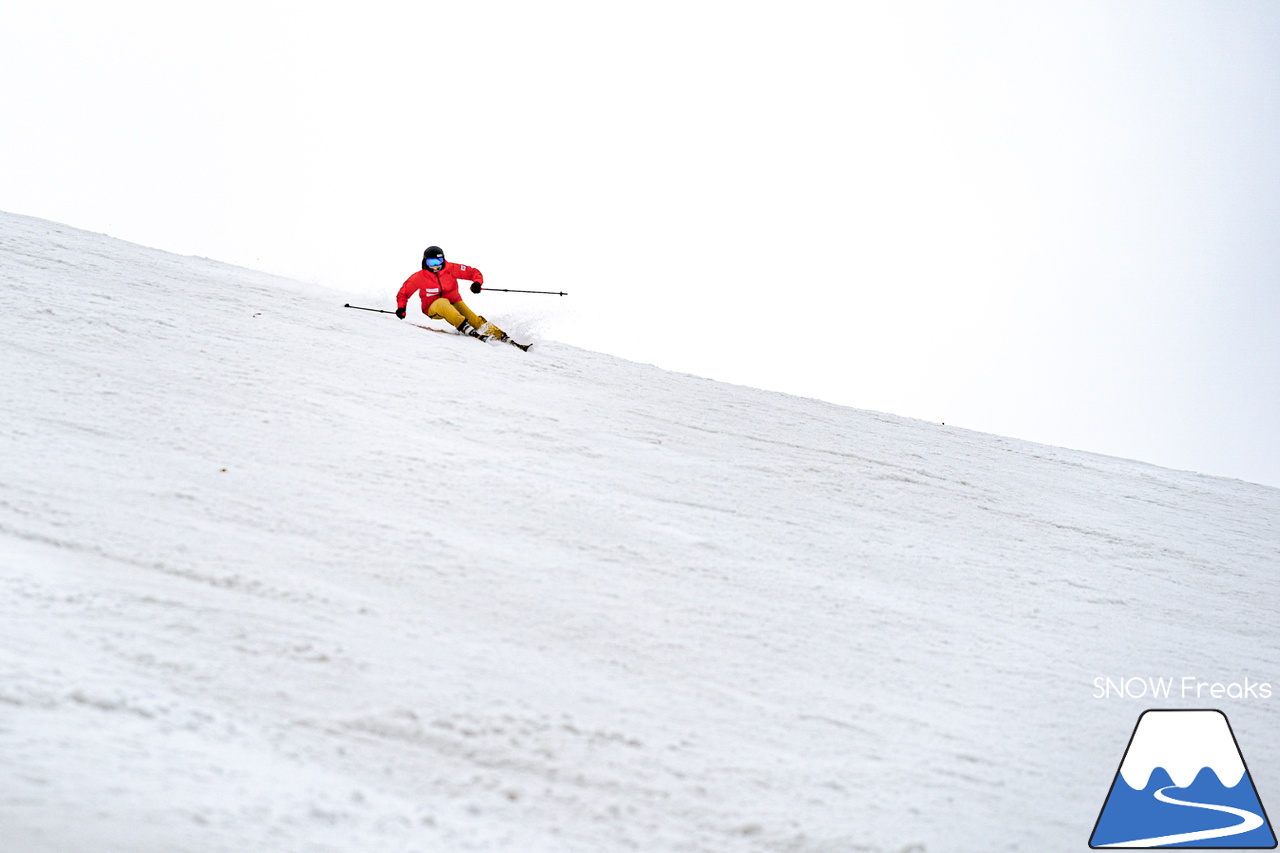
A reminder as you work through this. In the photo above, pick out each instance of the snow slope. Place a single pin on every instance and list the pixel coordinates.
(278, 575)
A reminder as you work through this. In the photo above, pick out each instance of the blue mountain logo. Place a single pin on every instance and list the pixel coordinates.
(1183, 783)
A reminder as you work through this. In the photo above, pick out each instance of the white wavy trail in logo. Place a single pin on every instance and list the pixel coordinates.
(1249, 821)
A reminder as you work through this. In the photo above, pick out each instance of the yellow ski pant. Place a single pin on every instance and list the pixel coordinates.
(454, 313)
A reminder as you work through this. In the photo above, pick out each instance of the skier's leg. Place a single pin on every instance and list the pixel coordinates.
(472, 317)
(441, 309)
(479, 322)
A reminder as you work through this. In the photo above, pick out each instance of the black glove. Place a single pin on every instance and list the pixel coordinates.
(475, 287)
(400, 313)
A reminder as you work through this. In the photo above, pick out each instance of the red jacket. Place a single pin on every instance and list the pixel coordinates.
(433, 285)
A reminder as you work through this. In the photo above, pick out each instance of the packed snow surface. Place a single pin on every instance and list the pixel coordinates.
(280, 575)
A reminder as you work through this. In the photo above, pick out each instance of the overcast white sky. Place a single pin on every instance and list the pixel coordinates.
(1056, 221)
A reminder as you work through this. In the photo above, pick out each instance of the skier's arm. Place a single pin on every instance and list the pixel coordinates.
(406, 290)
(467, 273)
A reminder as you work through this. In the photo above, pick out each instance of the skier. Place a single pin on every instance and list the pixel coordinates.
(437, 283)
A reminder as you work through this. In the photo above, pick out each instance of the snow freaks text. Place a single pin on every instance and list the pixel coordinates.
(1185, 687)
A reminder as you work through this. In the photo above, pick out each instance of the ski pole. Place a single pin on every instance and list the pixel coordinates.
(476, 288)
(358, 308)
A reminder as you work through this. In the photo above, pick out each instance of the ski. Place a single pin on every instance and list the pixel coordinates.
(453, 332)
(485, 338)
(490, 332)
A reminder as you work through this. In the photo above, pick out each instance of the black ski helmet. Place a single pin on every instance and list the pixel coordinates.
(432, 252)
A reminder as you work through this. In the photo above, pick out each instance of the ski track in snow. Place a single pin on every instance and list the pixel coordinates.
(279, 575)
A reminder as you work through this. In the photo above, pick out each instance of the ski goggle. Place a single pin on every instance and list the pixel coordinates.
(435, 262)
